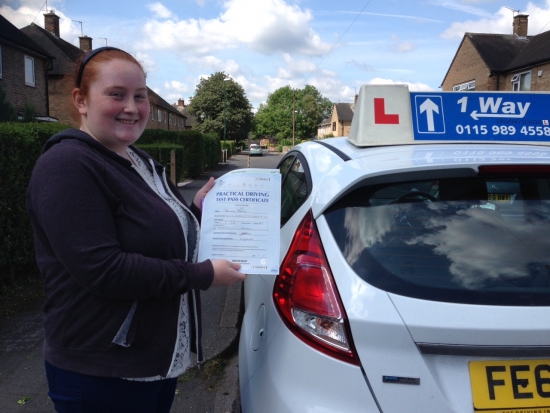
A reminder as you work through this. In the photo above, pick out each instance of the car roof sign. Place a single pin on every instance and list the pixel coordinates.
(391, 115)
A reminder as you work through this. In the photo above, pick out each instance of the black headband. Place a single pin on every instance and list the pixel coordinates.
(89, 57)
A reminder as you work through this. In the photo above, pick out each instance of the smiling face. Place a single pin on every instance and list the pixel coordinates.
(116, 108)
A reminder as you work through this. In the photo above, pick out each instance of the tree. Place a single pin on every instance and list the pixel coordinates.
(208, 108)
(274, 118)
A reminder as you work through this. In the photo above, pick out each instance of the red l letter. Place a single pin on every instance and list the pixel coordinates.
(380, 116)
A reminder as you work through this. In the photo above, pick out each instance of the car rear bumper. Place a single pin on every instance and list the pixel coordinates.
(294, 378)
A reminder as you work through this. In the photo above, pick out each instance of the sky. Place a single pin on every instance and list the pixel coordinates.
(336, 45)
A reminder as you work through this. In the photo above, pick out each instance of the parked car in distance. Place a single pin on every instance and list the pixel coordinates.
(255, 150)
(415, 261)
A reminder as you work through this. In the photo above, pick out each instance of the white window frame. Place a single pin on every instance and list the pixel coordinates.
(159, 115)
(517, 80)
(152, 113)
(464, 87)
(29, 71)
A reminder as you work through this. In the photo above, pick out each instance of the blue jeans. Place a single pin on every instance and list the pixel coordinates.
(79, 393)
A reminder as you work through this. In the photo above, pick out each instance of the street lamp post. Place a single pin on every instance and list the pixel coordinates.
(293, 118)
(224, 120)
(224, 151)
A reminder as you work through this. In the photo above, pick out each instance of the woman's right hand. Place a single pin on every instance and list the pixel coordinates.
(226, 273)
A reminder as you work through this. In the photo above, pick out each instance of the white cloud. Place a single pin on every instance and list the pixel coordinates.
(460, 6)
(402, 46)
(419, 19)
(161, 11)
(276, 27)
(147, 62)
(214, 64)
(30, 11)
(413, 87)
(501, 22)
(295, 68)
(174, 90)
(362, 66)
(177, 86)
(475, 1)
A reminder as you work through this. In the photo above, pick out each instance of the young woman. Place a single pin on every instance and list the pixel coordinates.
(117, 246)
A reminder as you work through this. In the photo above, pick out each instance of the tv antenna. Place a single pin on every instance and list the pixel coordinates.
(514, 11)
(81, 31)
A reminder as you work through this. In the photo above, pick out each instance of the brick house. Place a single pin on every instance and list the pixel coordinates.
(324, 128)
(340, 121)
(503, 62)
(184, 110)
(23, 70)
(163, 115)
(66, 56)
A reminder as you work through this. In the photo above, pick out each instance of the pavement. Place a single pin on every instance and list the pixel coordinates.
(23, 385)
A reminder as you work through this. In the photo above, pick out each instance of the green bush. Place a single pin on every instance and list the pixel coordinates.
(212, 149)
(20, 146)
(153, 136)
(191, 160)
(29, 113)
(194, 154)
(230, 146)
(161, 152)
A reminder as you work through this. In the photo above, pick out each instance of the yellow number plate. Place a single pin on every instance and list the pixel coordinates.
(505, 386)
(500, 198)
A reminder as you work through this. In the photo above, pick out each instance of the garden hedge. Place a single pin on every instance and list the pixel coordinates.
(20, 146)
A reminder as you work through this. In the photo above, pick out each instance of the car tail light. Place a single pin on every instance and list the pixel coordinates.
(307, 299)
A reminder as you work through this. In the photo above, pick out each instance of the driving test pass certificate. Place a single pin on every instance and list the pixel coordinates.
(241, 220)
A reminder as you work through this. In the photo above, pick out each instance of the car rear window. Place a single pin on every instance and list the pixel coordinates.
(477, 240)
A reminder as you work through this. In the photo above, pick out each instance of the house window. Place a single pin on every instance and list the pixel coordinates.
(521, 82)
(159, 115)
(152, 113)
(464, 87)
(171, 119)
(29, 71)
(334, 126)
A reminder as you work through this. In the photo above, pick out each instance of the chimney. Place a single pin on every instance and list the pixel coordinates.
(181, 103)
(85, 43)
(51, 23)
(520, 25)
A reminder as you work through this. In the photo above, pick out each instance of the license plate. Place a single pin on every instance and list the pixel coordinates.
(500, 198)
(511, 386)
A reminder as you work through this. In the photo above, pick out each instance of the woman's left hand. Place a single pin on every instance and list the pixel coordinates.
(201, 193)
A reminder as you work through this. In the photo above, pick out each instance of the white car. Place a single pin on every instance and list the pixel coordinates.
(255, 150)
(415, 263)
